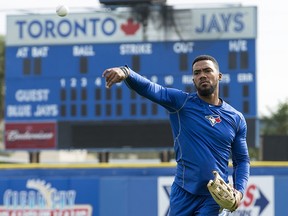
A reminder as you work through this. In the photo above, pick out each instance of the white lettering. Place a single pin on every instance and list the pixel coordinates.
(19, 111)
(83, 50)
(225, 78)
(245, 77)
(239, 45)
(187, 79)
(169, 80)
(84, 82)
(98, 81)
(39, 51)
(22, 52)
(32, 95)
(181, 47)
(46, 110)
(154, 79)
(132, 49)
(14, 135)
(62, 83)
(73, 82)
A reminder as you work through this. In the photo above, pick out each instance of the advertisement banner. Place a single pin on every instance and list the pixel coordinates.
(39, 197)
(30, 135)
(258, 199)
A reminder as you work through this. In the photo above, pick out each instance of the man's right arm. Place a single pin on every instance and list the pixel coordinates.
(171, 99)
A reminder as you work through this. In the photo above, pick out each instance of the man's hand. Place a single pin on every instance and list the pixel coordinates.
(224, 194)
(115, 75)
(238, 196)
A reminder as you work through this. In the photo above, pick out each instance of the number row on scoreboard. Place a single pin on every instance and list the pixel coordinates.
(108, 105)
(111, 110)
(133, 111)
(117, 93)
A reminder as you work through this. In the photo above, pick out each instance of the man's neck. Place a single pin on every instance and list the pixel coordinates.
(211, 99)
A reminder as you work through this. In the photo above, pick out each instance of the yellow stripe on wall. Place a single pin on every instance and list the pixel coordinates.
(124, 165)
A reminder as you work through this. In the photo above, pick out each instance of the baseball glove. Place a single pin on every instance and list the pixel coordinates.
(224, 194)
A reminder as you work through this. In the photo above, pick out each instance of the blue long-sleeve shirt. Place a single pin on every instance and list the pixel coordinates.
(204, 136)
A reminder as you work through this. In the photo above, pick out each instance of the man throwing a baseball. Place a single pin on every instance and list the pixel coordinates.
(206, 131)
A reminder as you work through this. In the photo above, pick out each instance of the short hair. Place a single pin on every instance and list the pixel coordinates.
(206, 57)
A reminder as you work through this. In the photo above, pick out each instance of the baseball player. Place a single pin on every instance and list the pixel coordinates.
(207, 132)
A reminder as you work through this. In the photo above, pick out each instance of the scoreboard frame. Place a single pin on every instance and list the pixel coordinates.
(56, 97)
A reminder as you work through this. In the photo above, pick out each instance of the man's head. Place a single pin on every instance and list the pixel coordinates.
(206, 75)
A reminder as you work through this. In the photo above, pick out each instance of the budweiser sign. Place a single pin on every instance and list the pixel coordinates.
(14, 135)
(30, 135)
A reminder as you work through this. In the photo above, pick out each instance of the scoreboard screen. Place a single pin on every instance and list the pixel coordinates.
(56, 95)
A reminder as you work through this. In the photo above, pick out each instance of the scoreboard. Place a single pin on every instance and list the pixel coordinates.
(56, 96)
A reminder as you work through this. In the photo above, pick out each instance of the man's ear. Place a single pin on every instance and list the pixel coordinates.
(220, 76)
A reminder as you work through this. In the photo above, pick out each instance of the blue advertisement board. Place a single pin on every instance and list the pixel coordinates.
(122, 190)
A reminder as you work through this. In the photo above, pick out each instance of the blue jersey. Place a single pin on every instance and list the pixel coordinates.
(205, 136)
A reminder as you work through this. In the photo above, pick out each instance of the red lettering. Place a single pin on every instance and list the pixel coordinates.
(249, 195)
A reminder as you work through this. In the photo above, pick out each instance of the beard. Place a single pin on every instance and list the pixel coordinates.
(206, 91)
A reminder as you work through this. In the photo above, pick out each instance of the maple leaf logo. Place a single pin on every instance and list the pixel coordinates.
(130, 28)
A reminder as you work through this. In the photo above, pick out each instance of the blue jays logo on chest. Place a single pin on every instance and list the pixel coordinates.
(213, 119)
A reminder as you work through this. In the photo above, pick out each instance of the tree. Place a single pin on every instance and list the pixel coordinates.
(277, 122)
(2, 69)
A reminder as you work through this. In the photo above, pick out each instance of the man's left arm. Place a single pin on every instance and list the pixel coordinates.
(240, 158)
